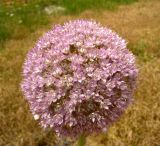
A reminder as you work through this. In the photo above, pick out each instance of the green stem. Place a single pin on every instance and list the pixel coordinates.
(82, 140)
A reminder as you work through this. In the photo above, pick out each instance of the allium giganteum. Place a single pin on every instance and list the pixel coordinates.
(79, 78)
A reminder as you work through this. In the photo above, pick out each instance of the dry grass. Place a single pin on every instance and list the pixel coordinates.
(140, 126)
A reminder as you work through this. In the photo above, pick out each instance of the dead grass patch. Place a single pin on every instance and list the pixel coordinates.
(139, 24)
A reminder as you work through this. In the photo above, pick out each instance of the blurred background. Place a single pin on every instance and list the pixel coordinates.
(22, 22)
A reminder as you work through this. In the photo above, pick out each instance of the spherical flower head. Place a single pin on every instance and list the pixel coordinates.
(79, 78)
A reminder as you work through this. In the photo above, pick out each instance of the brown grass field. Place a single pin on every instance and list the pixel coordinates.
(139, 23)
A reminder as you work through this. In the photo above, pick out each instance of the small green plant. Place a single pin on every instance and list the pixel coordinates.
(16, 20)
(140, 50)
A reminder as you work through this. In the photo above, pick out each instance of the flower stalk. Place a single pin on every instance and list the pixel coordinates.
(82, 140)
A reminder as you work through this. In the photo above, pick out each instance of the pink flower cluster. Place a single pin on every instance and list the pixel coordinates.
(79, 78)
